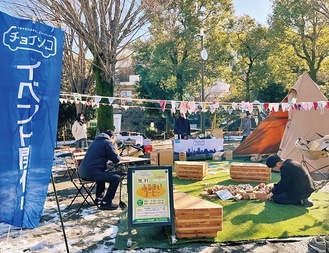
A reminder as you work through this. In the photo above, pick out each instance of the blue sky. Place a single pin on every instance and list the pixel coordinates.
(257, 9)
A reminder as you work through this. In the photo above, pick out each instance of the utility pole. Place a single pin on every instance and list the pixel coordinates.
(202, 82)
(204, 57)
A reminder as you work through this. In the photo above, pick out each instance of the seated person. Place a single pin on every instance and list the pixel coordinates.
(93, 167)
(296, 184)
(182, 127)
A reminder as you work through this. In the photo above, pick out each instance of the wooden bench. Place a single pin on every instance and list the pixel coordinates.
(195, 217)
(250, 172)
(191, 170)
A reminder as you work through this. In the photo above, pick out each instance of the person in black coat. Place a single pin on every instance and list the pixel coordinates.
(296, 184)
(182, 127)
(93, 167)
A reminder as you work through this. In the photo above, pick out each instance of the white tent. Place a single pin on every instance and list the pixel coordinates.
(305, 124)
(218, 90)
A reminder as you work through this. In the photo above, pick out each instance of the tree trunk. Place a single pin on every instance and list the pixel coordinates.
(105, 113)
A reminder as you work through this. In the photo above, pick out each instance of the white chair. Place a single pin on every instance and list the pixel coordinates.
(314, 150)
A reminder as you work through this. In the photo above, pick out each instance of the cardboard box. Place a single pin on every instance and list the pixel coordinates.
(182, 156)
(195, 217)
(191, 170)
(154, 158)
(166, 157)
(217, 156)
(250, 172)
(228, 155)
(218, 133)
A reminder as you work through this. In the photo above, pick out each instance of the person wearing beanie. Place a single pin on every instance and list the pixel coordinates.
(296, 184)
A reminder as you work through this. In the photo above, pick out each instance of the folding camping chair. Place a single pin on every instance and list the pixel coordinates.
(65, 152)
(84, 187)
(314, 150)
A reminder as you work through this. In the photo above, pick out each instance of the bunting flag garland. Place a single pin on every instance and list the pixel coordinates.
(183, 108)
(173, 107)
(192, 106)
(111, 100)
(162, 104)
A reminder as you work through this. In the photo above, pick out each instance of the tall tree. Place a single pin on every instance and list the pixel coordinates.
(77, 70)
(249, 64)
(298, 25)
(169, 61)
(321, 6)
(106, 28)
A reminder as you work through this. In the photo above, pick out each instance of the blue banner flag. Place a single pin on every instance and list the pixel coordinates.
(30, 77)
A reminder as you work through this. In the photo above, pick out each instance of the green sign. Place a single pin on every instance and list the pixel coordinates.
(150, 196)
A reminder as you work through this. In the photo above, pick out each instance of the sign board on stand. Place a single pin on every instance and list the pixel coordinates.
(150, 198)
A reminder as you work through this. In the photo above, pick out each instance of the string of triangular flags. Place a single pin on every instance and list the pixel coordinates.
(190, 106)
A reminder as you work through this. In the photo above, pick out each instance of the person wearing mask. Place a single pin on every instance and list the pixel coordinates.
(93, 168)
(246, 126)
(79, 131)
(296, 184)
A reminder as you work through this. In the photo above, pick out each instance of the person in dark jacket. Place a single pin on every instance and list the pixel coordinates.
(182, 127)
(296, 184)
(93, 167)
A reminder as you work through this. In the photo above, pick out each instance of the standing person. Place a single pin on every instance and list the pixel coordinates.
(182, 127)
(93, 167)
(246, 125)
(79, 131)
(296, 184)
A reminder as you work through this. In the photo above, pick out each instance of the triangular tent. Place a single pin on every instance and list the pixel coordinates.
(266, 138)
(306, 124)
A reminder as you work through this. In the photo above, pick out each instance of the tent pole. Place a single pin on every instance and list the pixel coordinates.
(60, 214)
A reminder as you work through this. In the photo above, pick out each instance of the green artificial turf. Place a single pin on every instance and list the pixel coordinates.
(256, 219)
(243, 220)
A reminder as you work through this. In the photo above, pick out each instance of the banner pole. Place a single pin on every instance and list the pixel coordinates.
(60, 214)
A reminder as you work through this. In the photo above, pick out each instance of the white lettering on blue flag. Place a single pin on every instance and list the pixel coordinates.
(30, 76)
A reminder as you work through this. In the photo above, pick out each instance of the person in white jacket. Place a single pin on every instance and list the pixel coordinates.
(79, 131)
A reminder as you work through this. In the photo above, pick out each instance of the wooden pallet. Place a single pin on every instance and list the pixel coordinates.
(191, 170)
(250, 172)
(195, 218)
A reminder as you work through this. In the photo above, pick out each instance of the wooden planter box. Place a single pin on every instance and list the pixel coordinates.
(191, 170)
(250, 172)
(195, 218)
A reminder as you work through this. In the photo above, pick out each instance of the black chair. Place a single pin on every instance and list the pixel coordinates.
(65, 152)
(84, 187)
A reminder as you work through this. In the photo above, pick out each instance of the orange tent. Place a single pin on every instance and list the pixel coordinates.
(266, 138)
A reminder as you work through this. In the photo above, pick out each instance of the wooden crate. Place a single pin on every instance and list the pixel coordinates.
(195, 218)
(191, 170)
(250, 172)
(166, 157)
